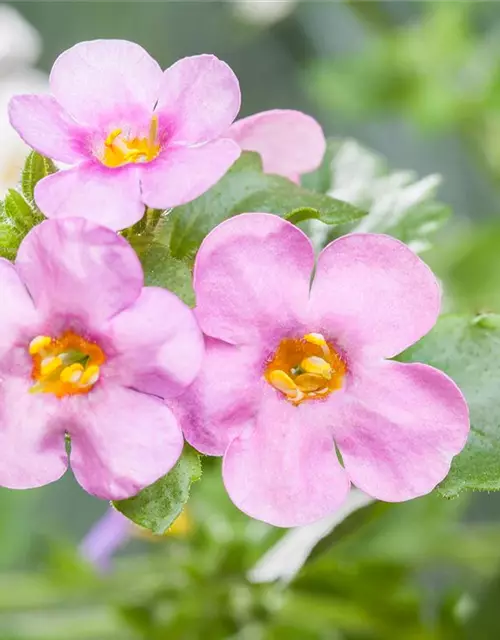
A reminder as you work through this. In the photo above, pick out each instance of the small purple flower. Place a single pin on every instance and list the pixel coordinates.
(108, 534)
(132, 134)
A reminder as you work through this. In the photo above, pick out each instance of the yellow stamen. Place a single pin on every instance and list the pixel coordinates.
(50, 365)
(112, 137)
(282, 381)
(310, 382)
(72, 374)
(120, 149)
(153, 131)
(305, 368)
(317, 365)
(90, 376)
(65, 365)
(39, 344)
(318, 340)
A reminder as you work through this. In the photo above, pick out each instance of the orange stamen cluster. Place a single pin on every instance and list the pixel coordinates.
(120, 150)
(67, 365)
(305, 368)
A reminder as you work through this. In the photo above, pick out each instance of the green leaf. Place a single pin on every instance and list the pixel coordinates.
(17, 211)
(162, 270)
(35, 168)
(245, 188)
(157, 506)
(341, 214)
(468, 350)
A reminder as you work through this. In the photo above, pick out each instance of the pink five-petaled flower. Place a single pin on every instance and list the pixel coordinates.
(290, 142)
(87, 351)
(133, 135)
(293, 370)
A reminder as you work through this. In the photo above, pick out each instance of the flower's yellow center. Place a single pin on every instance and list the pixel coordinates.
(120, 150)
(306, 368)
(65, 366)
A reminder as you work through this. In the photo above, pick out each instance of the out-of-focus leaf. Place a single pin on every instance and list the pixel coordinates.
(157, 506)
(398, 203)
(484, 623)
(468, 350)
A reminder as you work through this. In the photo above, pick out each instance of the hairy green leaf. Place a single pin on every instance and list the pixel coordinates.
(35, 168)
(157, 506)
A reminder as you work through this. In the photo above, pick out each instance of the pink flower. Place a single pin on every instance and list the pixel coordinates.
(132, 134)
(290, 142)
(294, 370)
(87, 351)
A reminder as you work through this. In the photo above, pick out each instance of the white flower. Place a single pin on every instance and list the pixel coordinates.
(285, 559)
(263, 12)
(19, 47)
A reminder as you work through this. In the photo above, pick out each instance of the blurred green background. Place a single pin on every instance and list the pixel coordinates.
(418, 83)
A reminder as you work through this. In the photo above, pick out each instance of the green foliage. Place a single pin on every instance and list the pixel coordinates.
(425, 68)
(18, 211)
(245, 188)
(468, 350)
(161, 269)
(35, 168)
(157, 506)
(468, 261)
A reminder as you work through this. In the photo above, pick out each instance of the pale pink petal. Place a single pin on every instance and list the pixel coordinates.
(285, 469)
(400, 429)
(104, 196)
(181, 174)
(158, 343)
(44, 125)
(94, 78)
(201, 95)
(251, 278)
(32, 431)
(222, 399)
(18, 310)
(372, 293)
(122, 441)
(289, 142)
(73, 267)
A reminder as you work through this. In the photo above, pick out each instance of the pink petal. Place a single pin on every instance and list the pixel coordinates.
(94, 78)
(31, 436)
(159, 344)
(251, 278)
(76, 268)
(18, 310)
(401, 429)
(223, 398)
(289, 142)
(122, 441)
(285, 471)
(201, 95)
(44, 125)
(371, 292)
(181, 174)
(111, 197)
